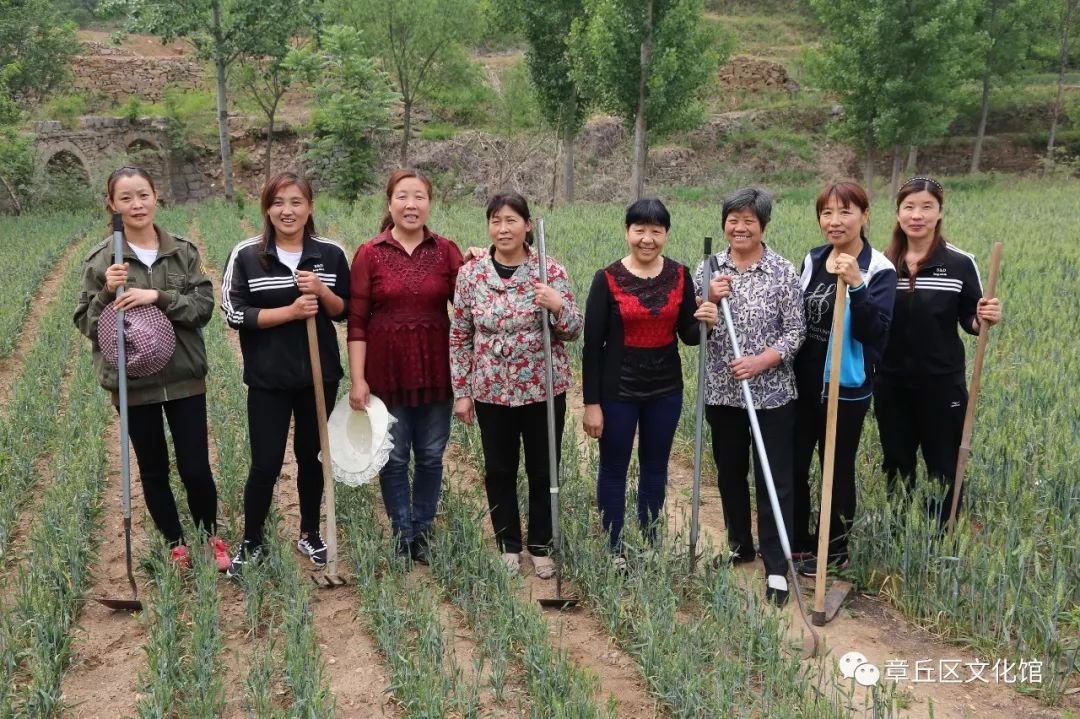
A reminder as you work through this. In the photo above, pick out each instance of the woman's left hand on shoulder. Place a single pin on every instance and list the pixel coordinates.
(136, 297)
(548, 298)
(309, 283)
(475, 253)
(989, 309)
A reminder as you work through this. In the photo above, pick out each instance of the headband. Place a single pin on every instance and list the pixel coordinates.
(923, 178)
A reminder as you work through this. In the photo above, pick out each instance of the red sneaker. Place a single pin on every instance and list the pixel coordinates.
(221, 554)
(179, 555)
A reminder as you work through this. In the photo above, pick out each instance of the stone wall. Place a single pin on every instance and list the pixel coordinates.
(117, 74)
(750, 73)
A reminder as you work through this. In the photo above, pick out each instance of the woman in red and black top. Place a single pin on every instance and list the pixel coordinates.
(399, 329)
(631, 373)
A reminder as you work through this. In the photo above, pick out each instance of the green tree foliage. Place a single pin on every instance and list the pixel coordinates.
(411, 41)
(36, 47)
(648, 62)
(81, 12)
(895, 66)
(353, 106)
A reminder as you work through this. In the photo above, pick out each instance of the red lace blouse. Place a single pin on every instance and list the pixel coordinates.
(399, 306)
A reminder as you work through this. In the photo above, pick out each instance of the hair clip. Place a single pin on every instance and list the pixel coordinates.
(924, 178)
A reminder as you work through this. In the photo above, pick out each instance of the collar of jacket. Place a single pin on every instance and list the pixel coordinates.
(310, 249)
(763, 263)
(818, 255)
(166, 245)
(522, 275)
(387, 237)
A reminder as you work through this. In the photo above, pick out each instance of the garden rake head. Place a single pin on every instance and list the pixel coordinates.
(330, 578)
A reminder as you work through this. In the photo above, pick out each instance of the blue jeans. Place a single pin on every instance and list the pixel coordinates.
(656, 418)
(422, 431)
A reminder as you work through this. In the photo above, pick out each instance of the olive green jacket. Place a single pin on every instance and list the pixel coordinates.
(186, 297)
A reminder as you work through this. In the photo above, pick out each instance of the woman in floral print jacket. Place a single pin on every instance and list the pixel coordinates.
(497, 370)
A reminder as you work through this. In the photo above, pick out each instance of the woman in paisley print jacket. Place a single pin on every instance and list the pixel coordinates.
(497, 370)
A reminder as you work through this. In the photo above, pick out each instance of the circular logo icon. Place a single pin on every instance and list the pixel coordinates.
(867, 675)
(850, 662)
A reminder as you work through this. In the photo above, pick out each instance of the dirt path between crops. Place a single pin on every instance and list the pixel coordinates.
(107, 656)
(12, 365)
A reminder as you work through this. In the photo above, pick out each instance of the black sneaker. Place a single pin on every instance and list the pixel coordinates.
(808, 567)
(419, 550)
(312, 545)
(776, 589)
(246, 554)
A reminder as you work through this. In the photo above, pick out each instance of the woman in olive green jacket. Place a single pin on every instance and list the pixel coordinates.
(165, 271)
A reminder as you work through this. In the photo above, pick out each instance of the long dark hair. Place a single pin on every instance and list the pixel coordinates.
(402, 173)
(515, 202)
(273, 186)
(897, 249)
(848, 193)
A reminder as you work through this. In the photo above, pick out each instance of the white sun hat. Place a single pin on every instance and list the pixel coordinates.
(360, 442)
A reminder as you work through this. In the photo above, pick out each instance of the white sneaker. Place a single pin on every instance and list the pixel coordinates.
(544, 567)
(512, 561)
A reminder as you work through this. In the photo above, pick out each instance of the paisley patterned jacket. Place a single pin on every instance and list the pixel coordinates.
(496, 341)
(767, 311)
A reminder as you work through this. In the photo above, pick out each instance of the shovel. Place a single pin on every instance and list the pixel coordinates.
(133, 604)
(766, 471)
(973, 392)
(328, 577)
(827, 605)
(553, 465)
(699, 415)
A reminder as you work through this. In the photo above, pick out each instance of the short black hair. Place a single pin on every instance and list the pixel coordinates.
(757, 200)
(648, 211)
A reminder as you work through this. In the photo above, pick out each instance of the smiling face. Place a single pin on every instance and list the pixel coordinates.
(646, 242)
(288, 212)
(135, 200)
(842, 224)
(409, 204)
(743, 231)
(507, 230)
(918, 215)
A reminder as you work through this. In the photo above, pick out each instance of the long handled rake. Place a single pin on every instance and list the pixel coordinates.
(699, 415)
(329, 577)
(766, 471)
(973, 392)
(553, 465)
(133, 604)
(827, 605)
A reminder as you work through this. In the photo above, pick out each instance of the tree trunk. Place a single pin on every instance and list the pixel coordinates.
(984, 110)
(868, 168)
(637, 175)
(220, 70)
(11, 193)
(1069, 5)
(269, 142)
(568, 147)
(912, 159)
(895, 170)
(406, 121)
(555, 170)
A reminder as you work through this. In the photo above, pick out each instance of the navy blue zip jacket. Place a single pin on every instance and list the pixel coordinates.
(277, 357)
(868, 315)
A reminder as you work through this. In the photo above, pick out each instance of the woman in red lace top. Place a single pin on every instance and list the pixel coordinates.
(402, 283)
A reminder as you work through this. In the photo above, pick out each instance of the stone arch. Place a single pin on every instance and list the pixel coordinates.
(67, 177)
(147, 153)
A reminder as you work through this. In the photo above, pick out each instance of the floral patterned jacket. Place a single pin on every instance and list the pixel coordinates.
(496, 340)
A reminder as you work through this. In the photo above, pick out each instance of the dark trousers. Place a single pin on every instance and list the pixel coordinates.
(810, 416)
(503, 430)
(269, 412)
(187, 424)
(924, 413)
(732, 445)
(656, 418)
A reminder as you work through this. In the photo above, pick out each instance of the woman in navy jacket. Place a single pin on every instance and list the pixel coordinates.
(921, 397)
(843, 209)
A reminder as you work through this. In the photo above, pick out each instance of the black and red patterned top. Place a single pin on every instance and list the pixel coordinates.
(399, 307)
(631, 351)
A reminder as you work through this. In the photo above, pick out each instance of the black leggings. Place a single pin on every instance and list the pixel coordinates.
(269, 412)
(187, 424)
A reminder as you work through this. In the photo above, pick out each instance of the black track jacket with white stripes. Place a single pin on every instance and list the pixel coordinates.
(924, 340)
(277, 357)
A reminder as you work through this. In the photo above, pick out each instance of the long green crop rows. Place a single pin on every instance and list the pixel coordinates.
(34, 244)
(30, 427)
(35, 631)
